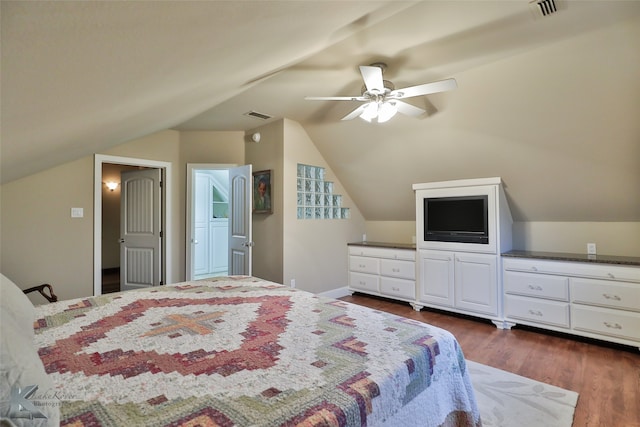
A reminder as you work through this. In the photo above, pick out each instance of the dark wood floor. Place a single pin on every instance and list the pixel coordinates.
(110, 280)
(606, 376)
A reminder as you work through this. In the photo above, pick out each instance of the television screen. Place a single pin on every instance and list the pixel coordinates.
(456, 219)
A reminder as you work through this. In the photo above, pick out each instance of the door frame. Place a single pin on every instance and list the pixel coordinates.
(166, 214)
(191, 168)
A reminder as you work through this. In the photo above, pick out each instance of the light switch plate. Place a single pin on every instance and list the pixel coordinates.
(591, 248)
(77, 212)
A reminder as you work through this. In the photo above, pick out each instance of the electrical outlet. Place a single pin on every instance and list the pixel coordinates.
(591, 248)
(293, 283)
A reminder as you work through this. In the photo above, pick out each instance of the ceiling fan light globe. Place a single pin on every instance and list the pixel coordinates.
(370, 112)
(386, 111)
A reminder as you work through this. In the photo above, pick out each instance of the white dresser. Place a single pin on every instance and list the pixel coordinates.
(596, 298)
(383, 269)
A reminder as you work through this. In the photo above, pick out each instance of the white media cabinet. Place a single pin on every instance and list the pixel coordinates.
(463, 277)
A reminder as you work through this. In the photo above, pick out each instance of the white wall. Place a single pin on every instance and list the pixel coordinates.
(40, 242)
(391, 231)
(611, 238)
(268, 154)
(315, 251)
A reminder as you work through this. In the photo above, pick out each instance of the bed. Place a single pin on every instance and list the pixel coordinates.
(242, 351)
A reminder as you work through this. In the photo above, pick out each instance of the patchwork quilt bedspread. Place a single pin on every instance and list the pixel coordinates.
(241, 351)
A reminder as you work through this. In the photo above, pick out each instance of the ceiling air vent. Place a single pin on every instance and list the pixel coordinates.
(257, 115)
(544, 7)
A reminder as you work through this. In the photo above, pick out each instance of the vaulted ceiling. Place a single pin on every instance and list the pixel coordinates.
(550, 104)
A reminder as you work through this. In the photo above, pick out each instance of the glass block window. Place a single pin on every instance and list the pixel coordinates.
(315, 195)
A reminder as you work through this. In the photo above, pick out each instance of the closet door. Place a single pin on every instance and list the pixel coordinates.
(140, 229)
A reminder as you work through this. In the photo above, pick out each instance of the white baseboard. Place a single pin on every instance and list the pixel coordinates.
(336, 293)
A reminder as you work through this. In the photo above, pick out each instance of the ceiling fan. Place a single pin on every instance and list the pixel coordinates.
(381, 100)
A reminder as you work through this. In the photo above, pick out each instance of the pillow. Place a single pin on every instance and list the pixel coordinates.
(20, 366)
(17, 304)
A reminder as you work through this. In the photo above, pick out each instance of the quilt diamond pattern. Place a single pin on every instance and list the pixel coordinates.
(235, 351)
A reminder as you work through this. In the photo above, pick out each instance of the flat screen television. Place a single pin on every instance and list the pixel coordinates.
(456, 219)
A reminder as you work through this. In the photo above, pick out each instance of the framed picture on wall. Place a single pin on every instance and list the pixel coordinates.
(262, 192)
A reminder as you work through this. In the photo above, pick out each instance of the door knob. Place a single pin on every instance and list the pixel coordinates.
(120, 240)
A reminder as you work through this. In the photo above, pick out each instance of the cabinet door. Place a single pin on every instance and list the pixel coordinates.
(476, 283)
(201, 250)
(220, 245)
(436, 278)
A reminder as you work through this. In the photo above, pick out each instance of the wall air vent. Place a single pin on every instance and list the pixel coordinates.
(544, 7)
(257, 115)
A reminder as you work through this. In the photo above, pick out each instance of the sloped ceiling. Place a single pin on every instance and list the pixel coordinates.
(549, 104)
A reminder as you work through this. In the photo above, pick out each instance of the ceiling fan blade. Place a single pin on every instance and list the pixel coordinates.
(425, 89)
(372, 77)
(335, 98)
(408, 109)
(355, 113)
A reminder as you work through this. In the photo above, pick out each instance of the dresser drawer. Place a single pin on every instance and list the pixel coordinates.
(364, 264)
(537, 285)
(622, 324)
(575, 269)
(377, 252)
(606, 293)
(536, 310)
(398, 288)
(364, 282)
(607, 271)
(400, 269)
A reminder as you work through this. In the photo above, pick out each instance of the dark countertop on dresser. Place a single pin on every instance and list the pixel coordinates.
(562, 256)
(390, 245)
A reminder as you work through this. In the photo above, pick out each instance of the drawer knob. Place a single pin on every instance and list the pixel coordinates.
(536, 313)
(612, 297)
(396, 270)
(534, 268)
(612, 325)
(535, 288)
(362, 283)
(362, 266)
(396, 289)
(611, 275)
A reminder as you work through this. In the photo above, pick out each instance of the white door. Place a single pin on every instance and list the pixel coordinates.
(198, 195)
(140, 229)
(240, 234)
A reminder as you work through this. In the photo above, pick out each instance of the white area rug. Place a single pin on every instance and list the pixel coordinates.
(510, 400)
